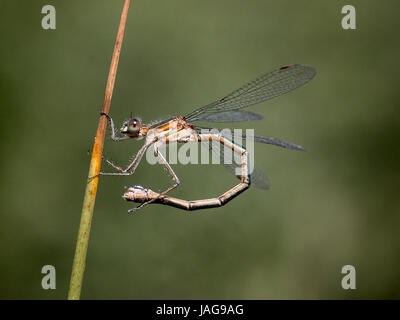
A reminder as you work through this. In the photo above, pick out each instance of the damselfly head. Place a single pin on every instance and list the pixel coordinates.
(132, 128)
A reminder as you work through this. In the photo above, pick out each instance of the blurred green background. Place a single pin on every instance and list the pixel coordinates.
(332, 206)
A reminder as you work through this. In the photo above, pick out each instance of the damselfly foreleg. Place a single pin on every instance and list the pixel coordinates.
(112, 129)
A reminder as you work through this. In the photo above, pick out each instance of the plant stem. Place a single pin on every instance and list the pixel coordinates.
(79, 263)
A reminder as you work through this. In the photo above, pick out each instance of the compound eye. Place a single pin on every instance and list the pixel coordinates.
(135, 123)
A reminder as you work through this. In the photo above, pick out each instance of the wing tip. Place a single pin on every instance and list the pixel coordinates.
(300, 148)
(311, 70)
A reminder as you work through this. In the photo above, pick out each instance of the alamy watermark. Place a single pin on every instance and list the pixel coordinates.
(349, 280)
(199, 152)
(349, 20)
(49, 280)
(49, 20)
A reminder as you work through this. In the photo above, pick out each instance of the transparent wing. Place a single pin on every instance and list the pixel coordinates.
(267, 86)
(230, 116)
(261, 139)
(231, 161)
(273, 141)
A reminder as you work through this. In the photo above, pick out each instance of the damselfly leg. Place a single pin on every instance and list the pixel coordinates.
(171, 172)
(130, 169)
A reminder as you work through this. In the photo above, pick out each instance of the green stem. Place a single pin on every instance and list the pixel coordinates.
(78, 266)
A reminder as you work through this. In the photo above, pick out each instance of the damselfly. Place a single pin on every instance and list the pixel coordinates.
(182, 130)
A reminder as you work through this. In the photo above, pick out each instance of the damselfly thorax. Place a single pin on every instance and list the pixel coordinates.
(175, 130)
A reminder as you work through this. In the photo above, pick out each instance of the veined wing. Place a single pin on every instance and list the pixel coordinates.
(229, 116)
(261, 139)
(267, 86)
(231, 160)
(271, 140)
